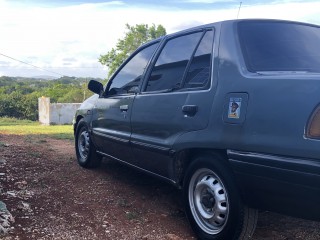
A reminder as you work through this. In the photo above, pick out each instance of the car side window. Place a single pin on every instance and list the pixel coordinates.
(129, 77)
(199, 71)
(272, 46)
(170, 66)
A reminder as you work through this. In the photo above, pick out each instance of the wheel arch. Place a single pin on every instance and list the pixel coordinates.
(78, 118)
(185, 157)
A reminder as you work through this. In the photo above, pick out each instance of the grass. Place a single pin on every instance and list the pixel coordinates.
(12, 126)
(5, 121)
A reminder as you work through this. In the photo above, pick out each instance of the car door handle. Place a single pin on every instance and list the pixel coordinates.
(189, 110)
(124, 108)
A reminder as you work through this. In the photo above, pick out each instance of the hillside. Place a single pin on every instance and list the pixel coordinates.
(19, 96)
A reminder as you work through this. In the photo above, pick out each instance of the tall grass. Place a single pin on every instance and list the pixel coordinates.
(12, 126)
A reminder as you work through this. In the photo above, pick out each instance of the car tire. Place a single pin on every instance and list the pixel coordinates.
(85, 150)
(212, 201)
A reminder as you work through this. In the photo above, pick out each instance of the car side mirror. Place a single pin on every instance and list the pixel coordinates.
(95, 86)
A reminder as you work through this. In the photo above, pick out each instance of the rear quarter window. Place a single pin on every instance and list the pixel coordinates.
(280, 46)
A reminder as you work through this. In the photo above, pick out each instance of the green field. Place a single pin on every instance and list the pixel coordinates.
(12, 126)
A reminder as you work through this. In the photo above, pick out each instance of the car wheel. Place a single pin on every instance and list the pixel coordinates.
(85, 150)
(212, 201)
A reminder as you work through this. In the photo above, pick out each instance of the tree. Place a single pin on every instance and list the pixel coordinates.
(134, 37)
(19, 96)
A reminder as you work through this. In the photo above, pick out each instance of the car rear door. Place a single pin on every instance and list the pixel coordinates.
(172, 100)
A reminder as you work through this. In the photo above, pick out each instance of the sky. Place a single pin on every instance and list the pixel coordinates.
(66, 37)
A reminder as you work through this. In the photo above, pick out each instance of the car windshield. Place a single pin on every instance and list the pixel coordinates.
(280, 46)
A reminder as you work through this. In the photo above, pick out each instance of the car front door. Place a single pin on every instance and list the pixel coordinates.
(172, 100)
(111, 129)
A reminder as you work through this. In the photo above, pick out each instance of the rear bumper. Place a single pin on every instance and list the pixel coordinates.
(282, 184)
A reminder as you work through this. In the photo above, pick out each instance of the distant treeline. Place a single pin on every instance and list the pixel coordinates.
(19, 96)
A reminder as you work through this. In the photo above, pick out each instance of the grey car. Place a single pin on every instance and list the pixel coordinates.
(229, 112)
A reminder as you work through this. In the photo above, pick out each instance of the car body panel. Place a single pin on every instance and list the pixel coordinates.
(111, 128)
(157, 123)
(275, 165)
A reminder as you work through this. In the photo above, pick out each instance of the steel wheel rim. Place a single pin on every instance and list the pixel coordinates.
(208, 201)
(83, 145)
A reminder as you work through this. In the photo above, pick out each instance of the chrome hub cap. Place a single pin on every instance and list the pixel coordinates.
(208, 201)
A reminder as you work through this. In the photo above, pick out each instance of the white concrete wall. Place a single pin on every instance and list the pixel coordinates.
(63, 113)
(56, 113)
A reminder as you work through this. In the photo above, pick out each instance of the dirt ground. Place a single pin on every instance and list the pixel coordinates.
(51, 197)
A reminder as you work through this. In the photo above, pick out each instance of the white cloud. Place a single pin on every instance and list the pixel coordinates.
(208, 1)
(288, 11)
(47, 36)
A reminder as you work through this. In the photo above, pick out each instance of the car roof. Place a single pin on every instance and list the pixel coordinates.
(215, 24)
(242, 20)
